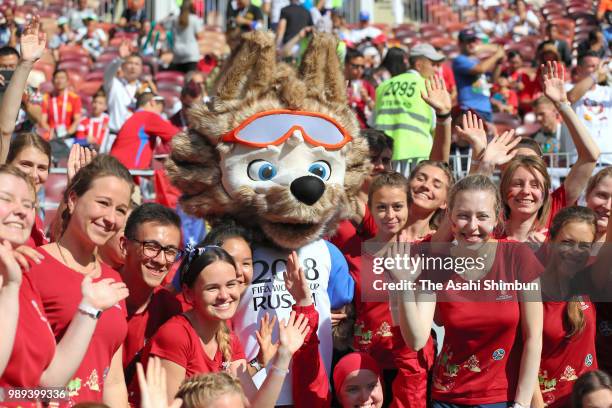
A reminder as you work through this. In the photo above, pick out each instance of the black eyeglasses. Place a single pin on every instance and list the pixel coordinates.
(151, 249)
(357, 66)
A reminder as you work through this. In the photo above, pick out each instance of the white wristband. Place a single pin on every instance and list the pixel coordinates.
(89, 310)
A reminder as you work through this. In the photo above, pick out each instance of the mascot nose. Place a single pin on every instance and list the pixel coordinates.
(308, 189)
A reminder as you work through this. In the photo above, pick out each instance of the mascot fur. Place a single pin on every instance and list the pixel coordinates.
(278, 150)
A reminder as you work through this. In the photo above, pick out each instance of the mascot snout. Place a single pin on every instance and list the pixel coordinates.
(307, 189)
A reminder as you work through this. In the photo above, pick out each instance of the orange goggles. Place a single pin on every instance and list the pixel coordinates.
(274, 127)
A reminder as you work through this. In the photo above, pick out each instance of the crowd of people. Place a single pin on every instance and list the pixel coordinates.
(107, 303)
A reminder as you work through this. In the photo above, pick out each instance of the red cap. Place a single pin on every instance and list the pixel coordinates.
(380, 39)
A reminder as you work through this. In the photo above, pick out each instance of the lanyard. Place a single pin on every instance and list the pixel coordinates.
(100, 130)
(54, 103)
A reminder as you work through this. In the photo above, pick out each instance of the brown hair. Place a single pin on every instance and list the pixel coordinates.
(101, 166)
(476, 182)
(191, 267)
(532, 164)
(387, 179)
(24, 140)
(201, 390)
(597, 178)
(435, 219)
(587, 383)
(574, 316)
(183, 20)
(528, 143)
(14, 171)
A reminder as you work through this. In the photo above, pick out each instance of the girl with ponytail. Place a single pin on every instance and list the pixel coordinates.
(568, 348)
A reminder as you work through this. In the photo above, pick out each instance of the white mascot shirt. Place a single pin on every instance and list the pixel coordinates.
(332, 287)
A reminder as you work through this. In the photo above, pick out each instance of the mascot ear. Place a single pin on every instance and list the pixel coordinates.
(321, 70)
(251, 69)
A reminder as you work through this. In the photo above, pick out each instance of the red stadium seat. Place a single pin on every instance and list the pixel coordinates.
(169, 87)
(72, 66)
(89, 87)
(170, 76)
(95, 76)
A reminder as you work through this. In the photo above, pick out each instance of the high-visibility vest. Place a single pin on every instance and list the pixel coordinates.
(256, 3)
(402, 114)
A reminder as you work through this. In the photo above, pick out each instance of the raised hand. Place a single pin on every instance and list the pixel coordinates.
(267, 349)
(397, 250)
(293, 333)
(10, 270)
(33, 41)
(23, 252)
(125, 49)
(78, 158)
(153, 386)
(436, 95)
(472, 131)
(104, 293)
(553, 81)
(499, 150)
(295, 281)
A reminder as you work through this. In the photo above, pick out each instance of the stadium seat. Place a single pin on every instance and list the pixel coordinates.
(170, 76)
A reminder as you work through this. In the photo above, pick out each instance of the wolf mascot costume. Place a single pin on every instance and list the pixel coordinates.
(280, 152)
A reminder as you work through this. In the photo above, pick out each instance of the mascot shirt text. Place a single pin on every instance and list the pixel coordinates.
(332, 287)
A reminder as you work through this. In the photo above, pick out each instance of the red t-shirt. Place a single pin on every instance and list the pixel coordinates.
(37, 236)
(178, 342)
(60, 291)
(480, 359)
(374, 332)
(558, 201)
(563, 359)
(94, 128)
(58, 113)
(141, 327)
(34, 344)
(136, 139)
(448, 76)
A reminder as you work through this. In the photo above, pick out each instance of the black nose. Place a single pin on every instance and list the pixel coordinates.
(308, 189)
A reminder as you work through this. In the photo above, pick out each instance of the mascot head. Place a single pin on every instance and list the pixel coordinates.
(276, 149)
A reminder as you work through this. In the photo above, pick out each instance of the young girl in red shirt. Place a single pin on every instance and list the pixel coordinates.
(97, 201)
(29, 356)
(491, 350)
(199, 340)
(568, 348)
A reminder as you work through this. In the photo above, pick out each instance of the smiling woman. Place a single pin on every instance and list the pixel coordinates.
(31, 154)
(97, 202)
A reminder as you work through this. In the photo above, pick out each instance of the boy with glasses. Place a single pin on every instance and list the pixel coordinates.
(151, 248)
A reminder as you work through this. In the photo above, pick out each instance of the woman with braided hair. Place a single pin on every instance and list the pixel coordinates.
(97, 201)
(199, 341)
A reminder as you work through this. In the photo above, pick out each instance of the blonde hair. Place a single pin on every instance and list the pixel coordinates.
(597, 178)
(201, 390)
(476, 182)
(532, 164)
(14, 171)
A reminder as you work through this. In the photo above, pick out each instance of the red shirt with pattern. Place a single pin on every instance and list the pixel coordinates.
(95, 129)
(34, 344)
(60, 291)
(177, 341)
(373, 324)
(480, 359)
(565, 359)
